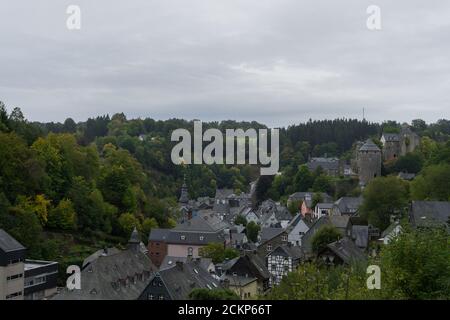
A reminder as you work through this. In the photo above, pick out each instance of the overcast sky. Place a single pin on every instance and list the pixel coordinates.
(278, 62)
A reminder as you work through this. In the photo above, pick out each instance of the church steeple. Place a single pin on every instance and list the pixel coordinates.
(184, 197)
(135, 241)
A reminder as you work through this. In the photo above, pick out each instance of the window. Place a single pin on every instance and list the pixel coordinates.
(202, 238)
(269, 247)
(13, 295)
(284, 237)
(190, 251)
(183, 237)
(286, 268)
(39, 280)
(16, 276)
(150, 297)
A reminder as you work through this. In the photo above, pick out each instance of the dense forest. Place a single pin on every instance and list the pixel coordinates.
(69, 188)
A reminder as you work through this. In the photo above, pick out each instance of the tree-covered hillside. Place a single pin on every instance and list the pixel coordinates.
(69, 188)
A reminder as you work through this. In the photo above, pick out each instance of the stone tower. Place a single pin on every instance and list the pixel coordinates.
(184, 197)
(369, 162)
(409, 140)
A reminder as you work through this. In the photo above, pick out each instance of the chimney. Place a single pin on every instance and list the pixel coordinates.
(179, 265)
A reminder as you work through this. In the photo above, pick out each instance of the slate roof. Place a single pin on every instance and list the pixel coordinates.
(369, 146)
(360, 235)
(348, 204)
(113, 278)
(429, 213)
(259, 268)
(237, 237)
(339, 222)
(222, 208)
(391, 137)
(99, 253)
(347, 250)
(324, 205)
(8, 243)
(237, 280)
(181, 279)
(205, 221)
(282, 213)
(325, 163)
(294, 252)
(260, 265)
(174, 236)
(169, 262)
(270, 233)
(223, 193)
(159, 234)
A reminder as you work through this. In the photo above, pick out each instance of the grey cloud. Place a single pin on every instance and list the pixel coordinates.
(274, 61)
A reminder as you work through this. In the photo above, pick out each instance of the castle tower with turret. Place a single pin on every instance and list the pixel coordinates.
(369, 162)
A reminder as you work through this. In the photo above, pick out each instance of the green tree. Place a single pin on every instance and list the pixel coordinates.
(317, 198)
(411, 163)
(70, 126)
(294, 207)
(252, 231)
(26, 228)
(38, 204)
(324, 236)
(114, 184)
(217, 252)
(417, 265)
(214, 294)
(304, 179)
(63, 216)
(383, 198)
(127, 223)
(432, 184)
(322, 184)
(20, 171)
(240, 220)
